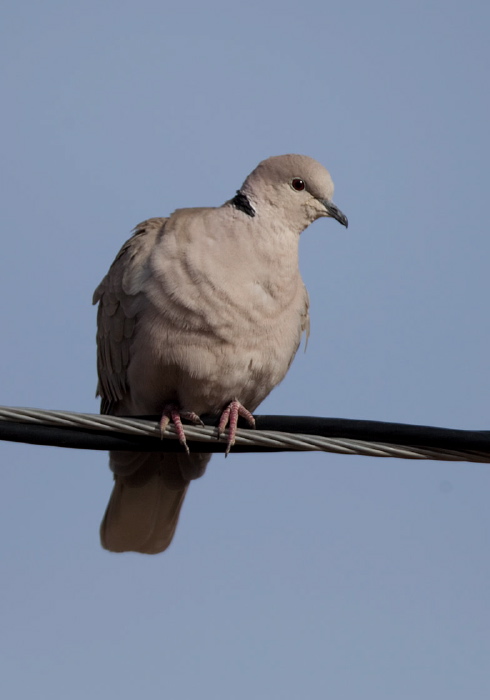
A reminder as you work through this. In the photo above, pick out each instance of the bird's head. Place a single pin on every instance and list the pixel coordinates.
(295, 188)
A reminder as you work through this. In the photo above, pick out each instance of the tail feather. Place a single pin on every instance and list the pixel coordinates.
(145, 503)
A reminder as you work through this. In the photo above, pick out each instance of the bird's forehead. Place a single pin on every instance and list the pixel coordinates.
(280, 169)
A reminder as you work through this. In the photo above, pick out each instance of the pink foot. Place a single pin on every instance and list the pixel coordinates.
(171, 412)
(229, 418)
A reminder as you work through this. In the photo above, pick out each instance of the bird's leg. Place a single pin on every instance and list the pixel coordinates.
(172, 412)
(229, 418)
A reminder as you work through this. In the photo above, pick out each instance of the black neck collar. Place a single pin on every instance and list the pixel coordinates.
(242, 202)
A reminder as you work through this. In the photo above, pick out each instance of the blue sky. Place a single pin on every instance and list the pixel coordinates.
(307, 575)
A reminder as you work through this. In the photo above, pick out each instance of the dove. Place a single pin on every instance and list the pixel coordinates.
(201, 313)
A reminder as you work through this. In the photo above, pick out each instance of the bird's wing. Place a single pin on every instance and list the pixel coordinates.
(119, 299)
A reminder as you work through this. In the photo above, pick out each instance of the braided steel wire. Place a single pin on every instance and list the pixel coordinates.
(101, 432)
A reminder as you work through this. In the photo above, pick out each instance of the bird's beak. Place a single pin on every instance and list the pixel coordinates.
(335, 212)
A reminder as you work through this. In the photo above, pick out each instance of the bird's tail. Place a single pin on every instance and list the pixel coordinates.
(145, 503)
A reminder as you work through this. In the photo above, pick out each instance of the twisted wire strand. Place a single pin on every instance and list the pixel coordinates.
(82, 424)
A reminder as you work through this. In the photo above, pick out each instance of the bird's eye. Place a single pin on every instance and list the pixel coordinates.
(298, 184)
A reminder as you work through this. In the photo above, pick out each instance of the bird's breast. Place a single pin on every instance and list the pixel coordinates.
(218, 327)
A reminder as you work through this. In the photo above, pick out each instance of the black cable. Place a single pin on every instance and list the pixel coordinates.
(368, 431)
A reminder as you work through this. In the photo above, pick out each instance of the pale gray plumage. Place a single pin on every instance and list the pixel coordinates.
(199, 309)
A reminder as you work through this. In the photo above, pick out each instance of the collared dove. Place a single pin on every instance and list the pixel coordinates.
(201, 312)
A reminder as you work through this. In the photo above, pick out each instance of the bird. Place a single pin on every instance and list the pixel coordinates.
(201, 312)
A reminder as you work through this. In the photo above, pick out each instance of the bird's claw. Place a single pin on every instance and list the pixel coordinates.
(172, 412)
(229, 418)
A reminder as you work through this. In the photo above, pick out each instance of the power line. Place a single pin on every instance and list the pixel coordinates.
(273, 434)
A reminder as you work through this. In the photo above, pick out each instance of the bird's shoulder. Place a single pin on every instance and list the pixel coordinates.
(128, 264)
